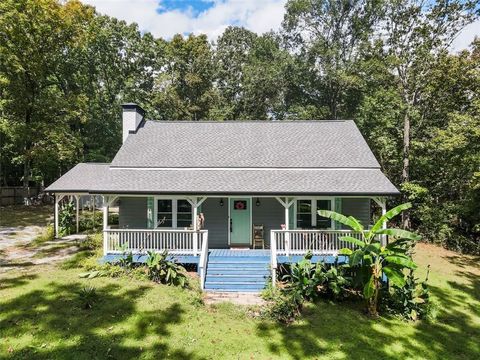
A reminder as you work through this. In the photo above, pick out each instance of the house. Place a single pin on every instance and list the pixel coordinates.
(267, 176)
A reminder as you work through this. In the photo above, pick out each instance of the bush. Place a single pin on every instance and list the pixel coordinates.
(308, 281)
(66, 219)
(92, 242)
(164, 271)
(87, 222)
(284, 309)
(412, 301)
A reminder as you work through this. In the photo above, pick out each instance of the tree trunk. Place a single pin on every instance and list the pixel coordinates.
(406, 166)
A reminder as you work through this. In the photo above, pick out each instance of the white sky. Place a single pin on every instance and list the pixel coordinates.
(256, 15)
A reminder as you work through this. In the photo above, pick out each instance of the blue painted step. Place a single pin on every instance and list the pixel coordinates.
(237, 273)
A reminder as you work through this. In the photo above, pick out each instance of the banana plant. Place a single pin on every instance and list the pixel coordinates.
(375, 257)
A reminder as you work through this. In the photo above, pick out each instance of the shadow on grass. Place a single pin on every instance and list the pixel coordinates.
(341, 331)
(12, 282)
(57, 327)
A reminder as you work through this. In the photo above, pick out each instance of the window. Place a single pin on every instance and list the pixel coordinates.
(323, 222)
(307, 214)
(304, 214)
(184, 213)
(165, 213)
(173, 213)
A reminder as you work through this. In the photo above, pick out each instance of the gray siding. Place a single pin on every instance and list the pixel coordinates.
(358, 208)
(132, 213)
(216, 222)
(270, 214)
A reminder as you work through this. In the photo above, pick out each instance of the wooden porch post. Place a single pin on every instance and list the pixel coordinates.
(286, 204)
(382, 202)
(105, 225)
(56, 215)
(77, 204)
(195, 202)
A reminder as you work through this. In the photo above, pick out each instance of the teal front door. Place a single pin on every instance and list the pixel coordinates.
(240, 221)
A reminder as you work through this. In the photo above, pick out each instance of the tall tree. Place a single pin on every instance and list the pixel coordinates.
(415, 33)
(41, 96)
(327, 36)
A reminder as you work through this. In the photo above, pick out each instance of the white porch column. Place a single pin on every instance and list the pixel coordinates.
(382, 202)
(286, 204)
(77, 203)
(58, 198)
(56, 215)
(105, 225)
(195, 202)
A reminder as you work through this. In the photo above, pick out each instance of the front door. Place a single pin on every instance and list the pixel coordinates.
(240, 221)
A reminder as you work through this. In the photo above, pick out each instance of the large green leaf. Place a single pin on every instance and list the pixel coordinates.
(345, 251)
(369, 288)
(401, 260)
(390, 214)
(352, 240)
(394, 275)
(373, 248)
(399, 233)
(356, 257)
(353, 224)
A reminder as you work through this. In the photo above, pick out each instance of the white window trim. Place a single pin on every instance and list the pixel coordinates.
(313, 201)
(174, 210)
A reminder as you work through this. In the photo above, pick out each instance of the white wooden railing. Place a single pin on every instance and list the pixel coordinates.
(202, 263)
(175, 241)
(299, 242)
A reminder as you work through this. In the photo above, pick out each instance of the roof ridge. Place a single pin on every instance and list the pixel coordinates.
(246, 121)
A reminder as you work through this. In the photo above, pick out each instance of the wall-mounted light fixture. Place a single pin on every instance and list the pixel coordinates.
(221, 202)
(257, 202)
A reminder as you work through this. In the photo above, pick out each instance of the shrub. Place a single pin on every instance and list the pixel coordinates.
(337, 283)
(161, 270)
(284, 309)
(66, 219)
(92, 242)
(304, 278)
(411, 301)
(88, 297)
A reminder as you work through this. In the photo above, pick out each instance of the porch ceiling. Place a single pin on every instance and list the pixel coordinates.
(101, 178)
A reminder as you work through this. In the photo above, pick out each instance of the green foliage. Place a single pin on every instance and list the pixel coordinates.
(372, 259)
(164, 271)
(284, 308)
(48, 234)
(304, 278)
(411, 301)
(66, 219)
(88, 297)
(92, 242)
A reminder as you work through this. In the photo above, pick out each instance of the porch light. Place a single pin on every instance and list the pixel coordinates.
(221, 202)
(257, 202)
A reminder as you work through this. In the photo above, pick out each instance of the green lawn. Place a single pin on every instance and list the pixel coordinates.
(42, 317)
(26, 215)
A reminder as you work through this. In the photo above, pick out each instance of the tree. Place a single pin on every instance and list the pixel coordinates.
(184, 88)
(36, 40)
(328, 35)
(416, 32)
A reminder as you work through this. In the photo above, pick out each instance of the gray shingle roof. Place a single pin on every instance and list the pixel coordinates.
(100, 178)
(276, 144)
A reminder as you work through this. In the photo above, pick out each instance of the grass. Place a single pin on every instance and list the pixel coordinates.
(26, 215)
(43, 316)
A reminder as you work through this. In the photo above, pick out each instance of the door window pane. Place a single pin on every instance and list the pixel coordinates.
(323, 222)
(304, 214)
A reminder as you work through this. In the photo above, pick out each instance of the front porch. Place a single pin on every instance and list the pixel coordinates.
(226, 241)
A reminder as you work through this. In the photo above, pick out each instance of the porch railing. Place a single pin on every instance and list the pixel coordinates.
(299, 242)
(202, 263)
(175, 241)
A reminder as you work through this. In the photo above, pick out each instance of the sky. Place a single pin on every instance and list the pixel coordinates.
(165, 18)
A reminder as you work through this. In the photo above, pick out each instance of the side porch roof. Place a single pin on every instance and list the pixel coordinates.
(95, 178)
